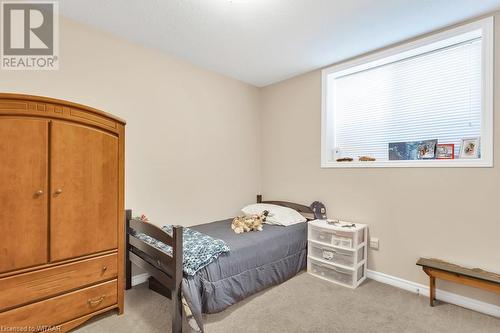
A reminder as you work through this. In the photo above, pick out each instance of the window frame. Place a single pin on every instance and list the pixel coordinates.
(406, 50)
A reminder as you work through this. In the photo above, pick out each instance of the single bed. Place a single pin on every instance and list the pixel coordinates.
(257, 260)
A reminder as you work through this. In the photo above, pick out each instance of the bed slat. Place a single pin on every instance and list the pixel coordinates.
(152, 231)
(153, 252)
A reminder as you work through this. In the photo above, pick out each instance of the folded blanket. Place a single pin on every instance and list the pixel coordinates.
(199, 249)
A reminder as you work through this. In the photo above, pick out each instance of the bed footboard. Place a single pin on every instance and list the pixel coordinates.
(165, 269)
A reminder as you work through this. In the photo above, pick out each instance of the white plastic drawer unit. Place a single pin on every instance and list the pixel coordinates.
(337, 252)
(341, 238)
(335, 274)
(337, 256)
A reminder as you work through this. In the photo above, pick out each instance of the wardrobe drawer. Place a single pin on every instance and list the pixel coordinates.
(57, 310)
(32, 286)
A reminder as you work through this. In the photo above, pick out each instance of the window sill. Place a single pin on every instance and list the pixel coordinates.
(457, 163)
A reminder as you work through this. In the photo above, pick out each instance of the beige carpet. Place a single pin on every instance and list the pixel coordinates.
(305, 304)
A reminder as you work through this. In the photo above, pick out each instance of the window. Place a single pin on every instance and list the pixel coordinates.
(437, 89)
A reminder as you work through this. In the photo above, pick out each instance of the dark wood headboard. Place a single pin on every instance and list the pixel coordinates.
(304, 210)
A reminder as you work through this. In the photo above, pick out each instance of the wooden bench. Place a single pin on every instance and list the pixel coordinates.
(438, 269)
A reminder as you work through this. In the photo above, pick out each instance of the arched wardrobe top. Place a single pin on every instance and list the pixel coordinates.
(45, 107)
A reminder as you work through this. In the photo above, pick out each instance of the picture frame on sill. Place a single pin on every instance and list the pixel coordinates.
(469, 148)
(426, 150)
(398, 151)
(445, 151)
(414, 150)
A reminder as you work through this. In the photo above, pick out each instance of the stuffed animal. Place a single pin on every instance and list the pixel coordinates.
(249, 223)
(239, 225)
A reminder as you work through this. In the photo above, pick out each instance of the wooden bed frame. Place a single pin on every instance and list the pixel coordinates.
(165, 270)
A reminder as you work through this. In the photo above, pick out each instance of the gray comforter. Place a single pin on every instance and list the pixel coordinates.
(257, 260)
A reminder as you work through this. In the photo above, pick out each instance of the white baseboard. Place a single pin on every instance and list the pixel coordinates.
(445, 296)
(140, 278)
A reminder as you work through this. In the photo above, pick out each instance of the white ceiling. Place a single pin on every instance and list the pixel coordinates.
(265, 41)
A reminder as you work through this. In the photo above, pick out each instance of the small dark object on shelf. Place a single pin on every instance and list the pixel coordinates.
(345, 159)
(367, 158)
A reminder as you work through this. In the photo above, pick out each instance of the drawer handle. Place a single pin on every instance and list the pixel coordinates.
(95, 302)
(104, 269)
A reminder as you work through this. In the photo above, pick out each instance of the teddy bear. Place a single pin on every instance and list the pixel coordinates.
(249, 222)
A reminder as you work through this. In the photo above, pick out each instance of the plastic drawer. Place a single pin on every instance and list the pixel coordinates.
(332, 273)
(337, 256)
(345, 239)
(321, 235)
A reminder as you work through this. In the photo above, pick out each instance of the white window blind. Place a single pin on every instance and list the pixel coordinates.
(436, 88)
(436, 95)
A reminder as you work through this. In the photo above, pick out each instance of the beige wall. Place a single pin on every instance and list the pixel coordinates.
(403, 207)
(192, 135)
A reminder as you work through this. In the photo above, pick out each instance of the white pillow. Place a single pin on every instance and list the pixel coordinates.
(278, 215)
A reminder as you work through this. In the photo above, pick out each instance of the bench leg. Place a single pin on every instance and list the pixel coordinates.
(432, 290)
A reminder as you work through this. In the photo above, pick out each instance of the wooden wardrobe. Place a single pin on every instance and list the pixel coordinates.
(61, 212)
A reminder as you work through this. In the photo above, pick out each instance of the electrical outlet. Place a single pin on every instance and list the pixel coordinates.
(374, 243)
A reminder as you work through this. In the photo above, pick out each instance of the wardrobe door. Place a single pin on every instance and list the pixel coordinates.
(23, 193)
(84, 186)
